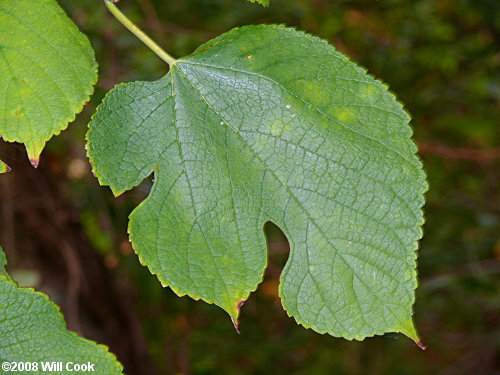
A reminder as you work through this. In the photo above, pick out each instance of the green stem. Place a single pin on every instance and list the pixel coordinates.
(139, 33)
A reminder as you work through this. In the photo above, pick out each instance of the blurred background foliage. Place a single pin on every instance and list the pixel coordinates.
(67, 236)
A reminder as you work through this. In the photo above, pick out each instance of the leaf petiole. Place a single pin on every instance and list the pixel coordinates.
(139, 33)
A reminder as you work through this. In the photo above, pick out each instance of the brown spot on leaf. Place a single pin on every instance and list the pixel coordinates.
(240, 304)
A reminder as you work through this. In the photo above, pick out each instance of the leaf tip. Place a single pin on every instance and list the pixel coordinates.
(421, 345)
(35, 162)
(236, 324)
(410, 331)
(234, 317)
(4, 168)
(34, 151)
(116, 192)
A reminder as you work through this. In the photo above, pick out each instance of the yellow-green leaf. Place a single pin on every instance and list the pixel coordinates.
(262, 2)
(4, 167)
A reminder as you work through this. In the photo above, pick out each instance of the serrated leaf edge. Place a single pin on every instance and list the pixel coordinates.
(60, 315)
(33, 151)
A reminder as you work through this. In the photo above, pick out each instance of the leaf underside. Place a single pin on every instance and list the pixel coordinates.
(32, 329)
(47, 72)
(261, 124)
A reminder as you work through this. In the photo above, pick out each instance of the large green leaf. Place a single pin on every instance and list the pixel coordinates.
(32, 329)
(47, 72)
(265, 123)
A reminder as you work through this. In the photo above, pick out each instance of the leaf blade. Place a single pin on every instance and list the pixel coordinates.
(260, 137)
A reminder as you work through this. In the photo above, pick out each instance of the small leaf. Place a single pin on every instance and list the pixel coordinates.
(47, 72)
(4, 167)
(261, 124)
(33, 330)
(262, 2)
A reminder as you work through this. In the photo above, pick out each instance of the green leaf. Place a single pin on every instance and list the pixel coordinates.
(47, 72)
(261, 124)
(4, 167)
(32, 329)
(3, 262)
(262, 2)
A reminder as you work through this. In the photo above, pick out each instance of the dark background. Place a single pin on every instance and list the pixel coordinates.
(66, 235)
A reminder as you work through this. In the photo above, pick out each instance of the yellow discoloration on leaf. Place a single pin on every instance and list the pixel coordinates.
(342, 114)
